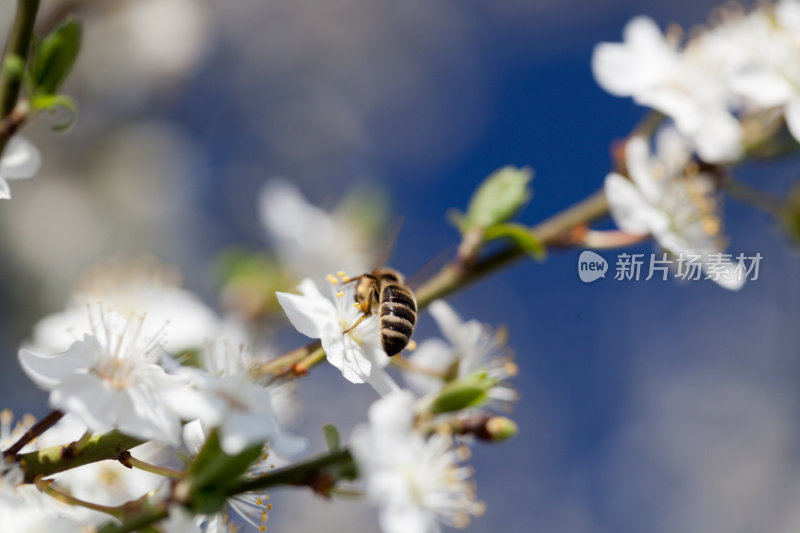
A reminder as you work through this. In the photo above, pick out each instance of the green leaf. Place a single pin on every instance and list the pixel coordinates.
(520, 234)
(499, 197)
(213, 472)
(458, 219)
(54, 57)
(331, 437)
(13, 67)
(470, 391)
(52, 102)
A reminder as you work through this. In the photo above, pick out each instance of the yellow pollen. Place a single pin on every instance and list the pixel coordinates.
(412, 345)
(478, 508)
(269, 507)
(332, 279)
(511, 368)
(463, 453)
(339, 294)
(259, 501)
(262, 528)
(356, 305)
(263, 516)
(710, 225)
(341, 274)
(461, 520)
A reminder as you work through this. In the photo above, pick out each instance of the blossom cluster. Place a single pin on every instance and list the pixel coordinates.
(149, 359)
(740, 70)
(727, 91)
(136, 353)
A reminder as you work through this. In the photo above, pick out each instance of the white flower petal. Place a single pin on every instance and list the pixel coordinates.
(5, 190)
(763, 87)
(628, 209)
(48, 370)
(84, 396)
(792, 115)
(718, 138)
(308, 314)
(393, 414)
(447, 319)
(432, 354)
(405, 517)
(637, 160)
(628, 68)
(381, 381)
(20, 159)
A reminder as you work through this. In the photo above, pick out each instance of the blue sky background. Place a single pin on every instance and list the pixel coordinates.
(646, 406)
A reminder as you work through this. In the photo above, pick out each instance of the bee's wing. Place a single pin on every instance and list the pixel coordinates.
(431, 267)
(387, 237)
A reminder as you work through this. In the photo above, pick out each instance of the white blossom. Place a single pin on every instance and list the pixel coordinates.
(358, 353)
(670, 199)
(760, 51)
(222, 395)
(23, 516)
(651, 68)
(417, 482)
(470, 347)
(20, 160)
(159, 41)
(309, 241)
(179, 520)
(743, 67)
(111, 378)
(138, 287)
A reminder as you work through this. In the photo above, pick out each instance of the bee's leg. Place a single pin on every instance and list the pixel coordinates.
(351, 328)
(365, 306)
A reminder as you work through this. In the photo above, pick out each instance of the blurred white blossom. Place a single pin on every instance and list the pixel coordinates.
(179, 520)
(651, 68)
(20, 160)
(132, 48)
(111, 379)
(23, 516)
(744, 66)
(309, 241)
(669, 198)
(221, 395)
(470, 347)
(141, 287)
(760, 51)
(358, 353)
(417, 482)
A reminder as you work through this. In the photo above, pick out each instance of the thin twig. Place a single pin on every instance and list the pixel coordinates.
(35, 430)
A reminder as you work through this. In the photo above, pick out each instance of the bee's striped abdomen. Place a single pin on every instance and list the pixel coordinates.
(398, 315)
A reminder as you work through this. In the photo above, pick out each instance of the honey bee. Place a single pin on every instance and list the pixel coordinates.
(383, 290)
